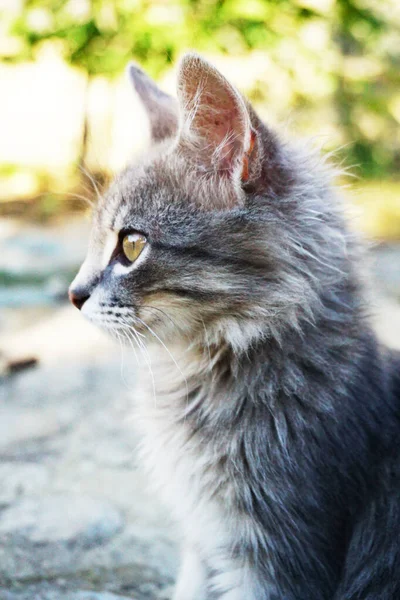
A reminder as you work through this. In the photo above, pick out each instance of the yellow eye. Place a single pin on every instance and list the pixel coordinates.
(132, 245)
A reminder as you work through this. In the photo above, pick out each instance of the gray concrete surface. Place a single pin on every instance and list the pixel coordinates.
(74, 511)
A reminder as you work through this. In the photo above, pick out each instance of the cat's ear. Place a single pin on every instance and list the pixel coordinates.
(161, 108)
(215, 122)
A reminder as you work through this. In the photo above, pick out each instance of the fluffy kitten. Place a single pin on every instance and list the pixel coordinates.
(270, 415)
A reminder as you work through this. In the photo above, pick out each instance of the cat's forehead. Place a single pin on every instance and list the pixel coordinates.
(145, 197)
(129, 193)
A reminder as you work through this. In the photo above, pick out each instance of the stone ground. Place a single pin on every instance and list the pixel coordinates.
(76, 519)
(74, 514)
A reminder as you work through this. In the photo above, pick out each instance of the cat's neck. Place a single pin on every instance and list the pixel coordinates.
(303, 364)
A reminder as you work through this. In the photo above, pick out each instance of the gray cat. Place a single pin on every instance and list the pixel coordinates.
(269, 413)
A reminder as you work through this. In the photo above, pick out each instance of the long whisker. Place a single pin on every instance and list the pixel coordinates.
(162, 312)
(207, 343)
(169, 353)
(123, 332)
(92, 180)
(139, 337)
(116, 333)
(72, 195)
(122, 359)
(132, 334)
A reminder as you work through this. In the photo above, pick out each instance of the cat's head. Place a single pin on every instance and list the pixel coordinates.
(218, 230)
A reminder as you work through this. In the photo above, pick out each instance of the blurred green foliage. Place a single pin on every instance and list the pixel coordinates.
(338, 54)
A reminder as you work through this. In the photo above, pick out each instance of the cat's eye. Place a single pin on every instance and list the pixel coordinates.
(132, 245)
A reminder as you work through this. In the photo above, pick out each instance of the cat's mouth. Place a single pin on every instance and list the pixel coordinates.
(124, 322)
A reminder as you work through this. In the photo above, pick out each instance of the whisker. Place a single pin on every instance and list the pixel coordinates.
(116, 333)
(169, 353)
(162, 312)
(122, 359)
(92, 180)
(123, 332)
(132, 334)
(70, 194)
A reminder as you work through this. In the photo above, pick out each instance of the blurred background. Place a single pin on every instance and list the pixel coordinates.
(328, 69)
(72, 515)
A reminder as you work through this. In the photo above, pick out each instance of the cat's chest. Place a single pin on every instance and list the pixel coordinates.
(184, 466)
(181, 465)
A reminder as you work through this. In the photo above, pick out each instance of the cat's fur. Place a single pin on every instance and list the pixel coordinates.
(269, 413)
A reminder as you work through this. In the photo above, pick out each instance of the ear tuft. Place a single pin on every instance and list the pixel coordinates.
(161, 108)
(216, 126)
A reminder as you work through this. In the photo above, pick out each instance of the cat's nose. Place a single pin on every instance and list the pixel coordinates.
(78, 296)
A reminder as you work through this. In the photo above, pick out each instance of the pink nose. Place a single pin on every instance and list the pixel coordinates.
(78, 298)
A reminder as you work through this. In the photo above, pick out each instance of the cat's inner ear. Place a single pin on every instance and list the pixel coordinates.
(215, 123)
(161, 108)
